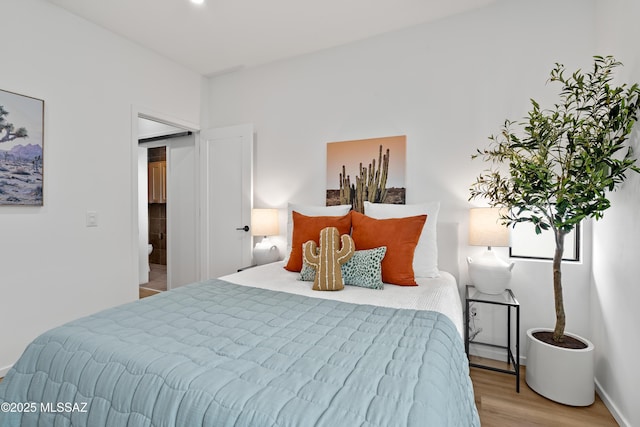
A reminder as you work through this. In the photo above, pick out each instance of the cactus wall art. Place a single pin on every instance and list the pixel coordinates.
(21, 155)
(366, 170)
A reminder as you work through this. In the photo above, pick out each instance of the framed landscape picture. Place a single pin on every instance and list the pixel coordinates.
(366, 170)
(21, 149)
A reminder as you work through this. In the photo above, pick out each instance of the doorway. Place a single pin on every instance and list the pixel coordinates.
(157, 217)
(197, 243)
(167, 205)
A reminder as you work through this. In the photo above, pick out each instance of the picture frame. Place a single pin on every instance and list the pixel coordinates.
(21, 150)
(366, 170)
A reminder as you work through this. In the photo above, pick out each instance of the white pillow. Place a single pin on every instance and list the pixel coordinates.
(310, 210)
(425, 258)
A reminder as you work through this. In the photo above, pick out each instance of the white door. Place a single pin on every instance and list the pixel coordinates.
(182, 191)
(143, 218)
(227, 156)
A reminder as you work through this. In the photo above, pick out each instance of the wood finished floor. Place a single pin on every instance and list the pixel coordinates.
(157, 278)
(500, 406)
(144, 292)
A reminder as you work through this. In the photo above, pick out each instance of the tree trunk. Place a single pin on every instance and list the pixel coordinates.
(558, 332)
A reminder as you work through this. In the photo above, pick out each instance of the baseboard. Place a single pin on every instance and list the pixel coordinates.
(611, 406)
(3, 371)
(496, 354)
(493, 353)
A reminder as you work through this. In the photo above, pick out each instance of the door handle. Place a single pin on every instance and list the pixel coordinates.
(245, 228)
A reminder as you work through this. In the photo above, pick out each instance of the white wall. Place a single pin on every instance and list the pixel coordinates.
(616, 243)
(52, 268)
(447, 85)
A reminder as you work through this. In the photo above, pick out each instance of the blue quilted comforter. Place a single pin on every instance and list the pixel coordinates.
(219, 354)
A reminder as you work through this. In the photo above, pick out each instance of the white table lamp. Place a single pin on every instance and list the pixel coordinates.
(264, 222)
(488, 273)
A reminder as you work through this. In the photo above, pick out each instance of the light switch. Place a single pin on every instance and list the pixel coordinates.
(92, 219)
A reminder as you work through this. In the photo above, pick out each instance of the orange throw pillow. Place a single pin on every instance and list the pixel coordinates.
(399, 235)
(307, 228)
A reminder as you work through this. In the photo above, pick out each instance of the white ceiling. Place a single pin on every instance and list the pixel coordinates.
(224, 35)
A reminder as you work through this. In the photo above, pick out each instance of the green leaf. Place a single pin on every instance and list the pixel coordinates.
(555, 166)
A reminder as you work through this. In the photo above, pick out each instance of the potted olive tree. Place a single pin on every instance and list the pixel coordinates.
(554, 169)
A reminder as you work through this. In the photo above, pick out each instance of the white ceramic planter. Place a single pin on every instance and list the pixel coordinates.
(562, 375)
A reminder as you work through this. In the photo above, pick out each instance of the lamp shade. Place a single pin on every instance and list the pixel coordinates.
(488, 273)
(264, 222)
(485, 228)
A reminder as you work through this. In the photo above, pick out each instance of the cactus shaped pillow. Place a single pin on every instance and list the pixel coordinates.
(334, 250)
(364, 269)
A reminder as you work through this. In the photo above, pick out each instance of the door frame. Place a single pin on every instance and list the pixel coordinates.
(136, 112)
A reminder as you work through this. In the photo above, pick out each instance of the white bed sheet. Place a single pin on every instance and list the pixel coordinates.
(436, 294)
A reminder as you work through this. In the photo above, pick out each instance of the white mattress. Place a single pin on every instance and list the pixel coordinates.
(438, 294)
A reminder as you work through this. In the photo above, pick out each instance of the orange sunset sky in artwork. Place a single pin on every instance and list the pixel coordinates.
(352, 153)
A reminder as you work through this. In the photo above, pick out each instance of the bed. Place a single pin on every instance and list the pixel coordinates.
(255, 348)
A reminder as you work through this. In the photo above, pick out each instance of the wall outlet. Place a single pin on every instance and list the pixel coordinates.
(92, 218)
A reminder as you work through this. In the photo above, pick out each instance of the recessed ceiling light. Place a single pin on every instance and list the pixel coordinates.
(197, 1)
